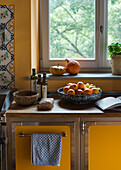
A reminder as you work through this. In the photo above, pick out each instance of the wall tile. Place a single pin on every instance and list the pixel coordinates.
(7, 47)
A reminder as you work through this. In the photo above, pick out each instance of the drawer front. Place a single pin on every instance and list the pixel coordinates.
(23, 147)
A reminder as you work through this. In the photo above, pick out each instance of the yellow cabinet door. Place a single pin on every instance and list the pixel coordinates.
(104, 147)
(23, 147)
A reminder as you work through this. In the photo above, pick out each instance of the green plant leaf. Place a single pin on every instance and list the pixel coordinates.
(114, 49)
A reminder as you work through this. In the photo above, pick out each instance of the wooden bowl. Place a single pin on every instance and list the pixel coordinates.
(25, 97)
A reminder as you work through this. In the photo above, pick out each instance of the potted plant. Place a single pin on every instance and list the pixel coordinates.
(115, 55)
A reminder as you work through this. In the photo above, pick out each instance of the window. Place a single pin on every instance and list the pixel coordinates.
(72, 29)
(114, 21)
(79, 29)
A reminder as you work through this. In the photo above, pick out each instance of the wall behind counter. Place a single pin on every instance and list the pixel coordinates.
(27, 47)
(105, 85)
(23, 52)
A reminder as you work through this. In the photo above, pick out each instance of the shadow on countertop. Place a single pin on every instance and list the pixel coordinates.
(73, 106)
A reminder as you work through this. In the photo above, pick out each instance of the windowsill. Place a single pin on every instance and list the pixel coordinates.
(85, 76)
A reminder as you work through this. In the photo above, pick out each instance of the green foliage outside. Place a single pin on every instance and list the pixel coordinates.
(72, 27)
(114, 21)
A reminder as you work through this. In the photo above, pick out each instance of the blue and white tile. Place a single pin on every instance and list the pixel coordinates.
(5, 57)
(5, 14)
(7, 77)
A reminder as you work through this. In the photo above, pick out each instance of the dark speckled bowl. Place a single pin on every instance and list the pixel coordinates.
(78, 99)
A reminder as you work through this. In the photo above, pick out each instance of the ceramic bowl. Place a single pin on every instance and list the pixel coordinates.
(78, 99)
(25, 97)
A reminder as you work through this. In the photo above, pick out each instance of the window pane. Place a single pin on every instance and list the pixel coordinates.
(114, 21)
(72, 29)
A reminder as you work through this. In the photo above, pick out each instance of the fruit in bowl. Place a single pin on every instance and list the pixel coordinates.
(74, 86)
(79, 93)
(87, 91)
(81, 88)
(71, 92)
(81, 85)
(66, 88)
(95, 90)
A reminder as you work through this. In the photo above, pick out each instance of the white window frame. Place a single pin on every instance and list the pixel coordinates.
(100, 60)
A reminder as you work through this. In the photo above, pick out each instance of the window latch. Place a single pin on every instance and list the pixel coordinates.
(101, 29)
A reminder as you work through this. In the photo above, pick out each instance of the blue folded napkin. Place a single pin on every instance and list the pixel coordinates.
(46, 149)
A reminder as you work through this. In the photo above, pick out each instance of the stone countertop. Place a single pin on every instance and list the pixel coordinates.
(60, 109)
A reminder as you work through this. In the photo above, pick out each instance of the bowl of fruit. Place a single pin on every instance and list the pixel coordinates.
(79, 93)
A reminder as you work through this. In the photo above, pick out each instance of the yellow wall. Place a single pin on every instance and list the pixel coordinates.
(27, 47)
(23, 62)
(105, 85)
(35, 34)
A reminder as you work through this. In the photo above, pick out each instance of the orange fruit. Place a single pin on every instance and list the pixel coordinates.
(74, 86)
(95, 90)
(87, 91)
(90, 87)
(68, 84)
(71, 92)
(81, 85)
(79, 92)
(65, 89)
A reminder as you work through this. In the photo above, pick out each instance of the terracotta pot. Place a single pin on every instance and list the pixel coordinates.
(116, 65)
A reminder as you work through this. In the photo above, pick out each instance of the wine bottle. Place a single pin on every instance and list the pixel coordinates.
(44, 86)
(39, 86)
(33, 80)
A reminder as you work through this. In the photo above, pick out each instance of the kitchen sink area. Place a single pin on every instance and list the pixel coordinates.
(6, 98)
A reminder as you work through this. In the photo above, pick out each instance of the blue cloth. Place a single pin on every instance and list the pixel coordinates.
(46, 149)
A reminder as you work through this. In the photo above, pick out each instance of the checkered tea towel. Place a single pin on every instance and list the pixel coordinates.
(46, 149)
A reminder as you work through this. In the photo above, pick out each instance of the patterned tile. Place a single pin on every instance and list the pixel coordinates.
(7, 47)
(3, 68)
(10, 67)
(5, 57)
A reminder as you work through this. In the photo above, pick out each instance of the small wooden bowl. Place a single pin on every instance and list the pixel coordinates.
(25, 97)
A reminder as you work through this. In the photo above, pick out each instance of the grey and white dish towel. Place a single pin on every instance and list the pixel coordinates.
(46, 149)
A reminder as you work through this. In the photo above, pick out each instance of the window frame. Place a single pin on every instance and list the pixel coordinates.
(99, 63)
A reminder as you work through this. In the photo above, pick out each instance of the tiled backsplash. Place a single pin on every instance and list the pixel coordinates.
(7, 46)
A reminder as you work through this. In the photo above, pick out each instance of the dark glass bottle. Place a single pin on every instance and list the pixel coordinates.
(33, 80)
(39, 86)
(44, 86)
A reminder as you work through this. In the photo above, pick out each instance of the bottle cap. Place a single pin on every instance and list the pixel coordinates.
(39, 76)
(33, 70)
(44, 74)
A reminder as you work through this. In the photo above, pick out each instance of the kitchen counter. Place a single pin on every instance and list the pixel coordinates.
(60, 109)
(26, 120)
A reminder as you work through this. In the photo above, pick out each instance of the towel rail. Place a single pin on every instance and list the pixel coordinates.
(25, 135)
